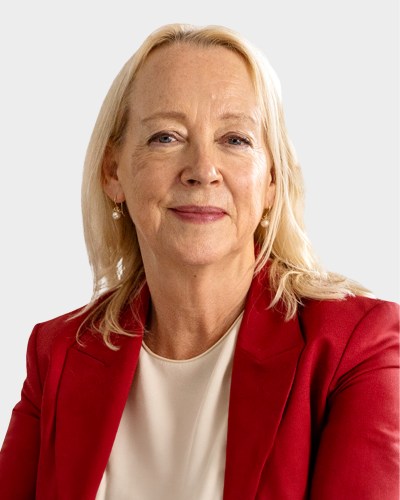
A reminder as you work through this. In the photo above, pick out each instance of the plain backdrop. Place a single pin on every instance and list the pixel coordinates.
(338, 65)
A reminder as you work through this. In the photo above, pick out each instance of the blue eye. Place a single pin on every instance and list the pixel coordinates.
(236, 140)
(165, 138)
(162, 138)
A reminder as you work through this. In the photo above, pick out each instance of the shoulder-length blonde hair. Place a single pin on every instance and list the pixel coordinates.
(112, 246)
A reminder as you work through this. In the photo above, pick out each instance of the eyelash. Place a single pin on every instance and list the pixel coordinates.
(243, 139)
(153, 138)
(246, 141)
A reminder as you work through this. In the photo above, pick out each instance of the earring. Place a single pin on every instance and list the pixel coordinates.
(264, 219)
(117, 211)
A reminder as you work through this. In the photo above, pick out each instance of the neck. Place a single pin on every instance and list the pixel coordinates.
(192, 307)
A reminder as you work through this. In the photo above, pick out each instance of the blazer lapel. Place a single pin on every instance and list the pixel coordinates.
(264, 365)
(92, 394)
(95, 381)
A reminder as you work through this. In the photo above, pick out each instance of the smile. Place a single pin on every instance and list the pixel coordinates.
(198, 214)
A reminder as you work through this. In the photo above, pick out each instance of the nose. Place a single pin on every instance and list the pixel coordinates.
(200, 169)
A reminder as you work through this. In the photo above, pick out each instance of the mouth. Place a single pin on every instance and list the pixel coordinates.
(198, 213)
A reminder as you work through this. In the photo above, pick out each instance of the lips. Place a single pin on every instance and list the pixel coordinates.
(199, 209)
(197, 213)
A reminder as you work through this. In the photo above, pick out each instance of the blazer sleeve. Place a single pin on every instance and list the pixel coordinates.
(20, 451)
(358, 455)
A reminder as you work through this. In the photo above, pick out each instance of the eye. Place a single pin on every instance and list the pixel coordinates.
(238, 140)
(162, 138)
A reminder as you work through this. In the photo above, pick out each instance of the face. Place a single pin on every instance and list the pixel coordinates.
(193, 167)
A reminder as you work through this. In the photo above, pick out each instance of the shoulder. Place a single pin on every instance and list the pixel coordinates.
(354, 332)
(60, 330)
(339, 318)
(50, 337)
(329, 321)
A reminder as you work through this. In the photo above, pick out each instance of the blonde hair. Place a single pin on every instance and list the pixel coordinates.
(112, 246)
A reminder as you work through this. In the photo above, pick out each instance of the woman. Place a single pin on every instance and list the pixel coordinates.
(216, 359)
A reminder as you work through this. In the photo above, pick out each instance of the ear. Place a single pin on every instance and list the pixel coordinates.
(111, 184)
(271, 189)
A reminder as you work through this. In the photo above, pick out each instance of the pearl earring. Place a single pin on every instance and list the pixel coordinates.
(117, 211)
(264, 219)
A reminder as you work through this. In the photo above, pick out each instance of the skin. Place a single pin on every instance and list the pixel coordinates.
(194, 139)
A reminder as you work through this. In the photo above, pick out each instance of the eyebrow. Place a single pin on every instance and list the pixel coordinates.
(238, 117)
(164, 114)
(181, 116)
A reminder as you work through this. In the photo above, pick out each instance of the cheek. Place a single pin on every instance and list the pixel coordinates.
(145, 186)
(135, 174)
(136, 183)
(252, 187)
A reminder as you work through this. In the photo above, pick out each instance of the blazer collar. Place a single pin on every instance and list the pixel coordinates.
(92, 393)
(95, 383)
(264, 366)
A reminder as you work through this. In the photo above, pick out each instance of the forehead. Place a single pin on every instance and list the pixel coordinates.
(183, 73)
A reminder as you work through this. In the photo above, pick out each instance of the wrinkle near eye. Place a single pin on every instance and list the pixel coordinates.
(238, 141)
(162, 138)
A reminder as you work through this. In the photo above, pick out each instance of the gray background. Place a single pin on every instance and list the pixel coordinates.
(338, 65)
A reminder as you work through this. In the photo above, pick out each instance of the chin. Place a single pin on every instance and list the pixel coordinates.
(200, 254)
(195, 253)
(198, 259)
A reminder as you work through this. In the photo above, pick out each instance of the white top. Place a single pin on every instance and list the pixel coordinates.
(171, 441)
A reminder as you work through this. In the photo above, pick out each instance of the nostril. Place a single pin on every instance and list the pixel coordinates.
(200, 174)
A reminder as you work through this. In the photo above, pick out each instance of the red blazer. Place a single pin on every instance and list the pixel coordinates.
(313, 406)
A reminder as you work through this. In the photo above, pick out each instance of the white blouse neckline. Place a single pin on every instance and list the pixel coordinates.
(199, 356)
